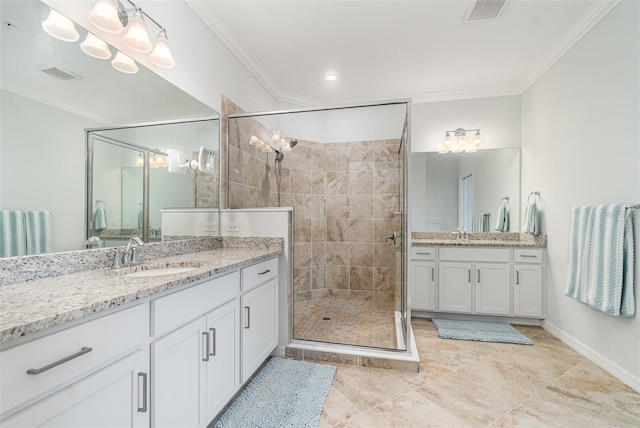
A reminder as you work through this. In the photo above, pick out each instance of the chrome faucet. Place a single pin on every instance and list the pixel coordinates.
(462, 235)
(130, 255)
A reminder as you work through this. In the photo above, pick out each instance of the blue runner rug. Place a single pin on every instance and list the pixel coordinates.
(480, 331)
(285, 393)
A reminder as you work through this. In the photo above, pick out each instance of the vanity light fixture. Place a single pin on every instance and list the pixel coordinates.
(112, 17)
(106, 17)
(125, 64)
(457, 141)
(60, 27)
(137, 37)
(95, 47)
(278, 143)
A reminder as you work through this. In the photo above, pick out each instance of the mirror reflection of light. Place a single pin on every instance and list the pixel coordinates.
(60, 27)
(125, 64)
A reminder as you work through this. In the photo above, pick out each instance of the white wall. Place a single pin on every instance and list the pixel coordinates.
(498, 119)
(581, 146)
(205, 68)
(38, 141)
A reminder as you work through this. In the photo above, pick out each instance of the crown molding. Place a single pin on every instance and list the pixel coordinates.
(589, 20)
(243, 55)
(35, 96)
(598, 11)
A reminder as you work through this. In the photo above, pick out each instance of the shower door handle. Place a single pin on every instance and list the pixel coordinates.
(393, 237)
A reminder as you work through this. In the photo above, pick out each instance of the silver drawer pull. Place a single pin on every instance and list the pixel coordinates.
(143, 375)
(517, 277)
(83, 350)
(423, 254)
(248, 312)
(213, 334)
(205, 346)
(529, 255)
(266, 271)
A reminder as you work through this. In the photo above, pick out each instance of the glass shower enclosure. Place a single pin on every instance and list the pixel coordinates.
(343, 170)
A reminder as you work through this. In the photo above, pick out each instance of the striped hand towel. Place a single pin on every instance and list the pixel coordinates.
(38, 227)
(601, 258)
(502, 225)
(531, 220)
(13, 239)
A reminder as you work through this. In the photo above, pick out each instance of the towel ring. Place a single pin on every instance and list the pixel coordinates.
(98, 202)
(504, 199)
(535, 195)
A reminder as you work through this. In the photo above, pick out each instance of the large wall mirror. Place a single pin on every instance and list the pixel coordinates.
(449, 189)
(44, 118)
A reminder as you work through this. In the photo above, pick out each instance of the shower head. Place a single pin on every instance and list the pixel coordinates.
(279, 156)
(293, 143)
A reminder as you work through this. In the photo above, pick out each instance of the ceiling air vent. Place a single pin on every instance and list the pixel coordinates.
(484, 10)
(59, 73)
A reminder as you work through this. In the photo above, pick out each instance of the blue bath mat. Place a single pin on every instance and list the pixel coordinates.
(285, 393)
(480, 331)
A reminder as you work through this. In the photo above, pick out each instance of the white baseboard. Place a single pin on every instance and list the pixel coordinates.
(615, 370)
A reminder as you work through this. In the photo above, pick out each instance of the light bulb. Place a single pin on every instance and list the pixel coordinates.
(125, 64)
(275, 137)
(137, 37)
(478, 141)
(455, 147)
(447, 140)
(140, 160)
(95, 47)
(104, 16)
(161, 54)
(462, 141)
(60, 27)
(254, 141)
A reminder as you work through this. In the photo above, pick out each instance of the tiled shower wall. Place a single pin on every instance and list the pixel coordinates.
(345, 199)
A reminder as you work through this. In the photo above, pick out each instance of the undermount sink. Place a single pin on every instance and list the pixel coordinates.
(146, 271)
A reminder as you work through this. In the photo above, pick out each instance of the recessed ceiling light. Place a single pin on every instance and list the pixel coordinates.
(331, 77)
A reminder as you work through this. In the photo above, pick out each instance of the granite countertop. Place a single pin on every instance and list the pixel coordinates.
(32, 306)
(478, 239)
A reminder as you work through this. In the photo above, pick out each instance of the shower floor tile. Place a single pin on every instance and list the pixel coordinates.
(346, 321)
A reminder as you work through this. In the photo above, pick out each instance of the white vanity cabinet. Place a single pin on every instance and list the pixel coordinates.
(473, 280)
(478, 280)
(195, 367)
(94, 371)
(423, 278)
(527, 284)
(259, 315)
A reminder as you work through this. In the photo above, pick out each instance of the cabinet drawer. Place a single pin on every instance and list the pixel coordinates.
(423, 253)
(475, 254)
(90, 344)
(257, 274)
(527, 256)
(170, 312)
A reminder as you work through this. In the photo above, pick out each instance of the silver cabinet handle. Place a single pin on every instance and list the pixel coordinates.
(266, 271)
(469, 274)
(528, 255)
(205, 337)
(517, 277)
(478, 276)
(212, 331)
(433, 274)
(82, 351)
(423, 254)
(143, 376)
(248, 312)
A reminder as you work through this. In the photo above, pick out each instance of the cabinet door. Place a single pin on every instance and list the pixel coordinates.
(527, 290)
(259, 326)
(223, 367)
(177, 369)
(492, 294)
(112, 397)
(454, 287)
(424, 285)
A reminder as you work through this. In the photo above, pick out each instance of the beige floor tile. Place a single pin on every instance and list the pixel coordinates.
(409, 410)
(557, 408)
(368, 387)
(475, 404)
(336, 409)
(590, 381)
